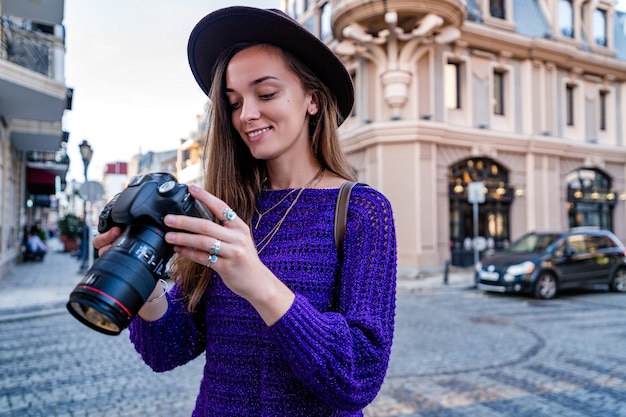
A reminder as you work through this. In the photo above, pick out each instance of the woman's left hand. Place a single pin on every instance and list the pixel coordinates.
(229, 250)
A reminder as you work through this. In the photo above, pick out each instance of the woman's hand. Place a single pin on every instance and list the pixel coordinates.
(103, 241)
(149, 311)
(229, 250)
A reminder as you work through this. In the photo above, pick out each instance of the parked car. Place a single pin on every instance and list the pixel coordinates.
(544, 263)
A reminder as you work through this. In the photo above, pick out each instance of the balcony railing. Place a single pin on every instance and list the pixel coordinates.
(28, 44)
(59, 157)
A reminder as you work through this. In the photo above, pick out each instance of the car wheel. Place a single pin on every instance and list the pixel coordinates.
(546, 287)
(618, 283)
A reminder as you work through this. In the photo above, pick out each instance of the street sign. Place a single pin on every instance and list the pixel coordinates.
(479, 243)
(91, 191)
(475, 192)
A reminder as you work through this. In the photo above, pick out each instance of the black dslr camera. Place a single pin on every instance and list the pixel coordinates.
(120, 281)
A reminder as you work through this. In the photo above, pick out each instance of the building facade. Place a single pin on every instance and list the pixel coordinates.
(523, 98)
(33, 99)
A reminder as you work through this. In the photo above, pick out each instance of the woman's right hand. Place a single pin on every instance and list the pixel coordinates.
(103, 241)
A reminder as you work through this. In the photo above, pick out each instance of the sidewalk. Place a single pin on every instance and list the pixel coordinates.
(36, 288)
(41, 288)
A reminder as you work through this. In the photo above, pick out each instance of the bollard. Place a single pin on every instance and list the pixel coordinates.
(445, 272)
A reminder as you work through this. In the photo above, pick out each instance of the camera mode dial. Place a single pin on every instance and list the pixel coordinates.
(168, 188)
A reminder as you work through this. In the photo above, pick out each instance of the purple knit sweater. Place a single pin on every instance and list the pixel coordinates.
(328, 355)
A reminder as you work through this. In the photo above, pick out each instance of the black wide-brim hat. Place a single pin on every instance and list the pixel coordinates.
(226, 27)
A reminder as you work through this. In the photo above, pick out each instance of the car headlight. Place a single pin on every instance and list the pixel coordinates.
(516, 270)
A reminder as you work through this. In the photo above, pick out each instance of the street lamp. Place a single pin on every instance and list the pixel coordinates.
(86, 153)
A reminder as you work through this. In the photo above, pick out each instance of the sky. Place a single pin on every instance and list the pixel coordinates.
(133, 90)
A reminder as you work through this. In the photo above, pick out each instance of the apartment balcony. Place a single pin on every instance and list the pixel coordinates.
(371, 15)
(33, 95)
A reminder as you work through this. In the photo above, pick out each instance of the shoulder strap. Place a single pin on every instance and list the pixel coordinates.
(341, 213)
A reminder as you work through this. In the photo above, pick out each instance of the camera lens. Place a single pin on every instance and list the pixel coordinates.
(118, 284)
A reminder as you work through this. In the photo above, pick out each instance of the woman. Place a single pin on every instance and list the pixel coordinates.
(286, 327)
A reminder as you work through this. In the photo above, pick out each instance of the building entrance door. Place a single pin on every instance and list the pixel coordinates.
(493, 214)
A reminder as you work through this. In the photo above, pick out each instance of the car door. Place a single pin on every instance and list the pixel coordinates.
(603, 255)
(575, 264)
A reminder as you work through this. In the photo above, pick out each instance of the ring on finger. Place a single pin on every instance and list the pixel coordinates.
(215, 248)
(228, 215)
(212, 259)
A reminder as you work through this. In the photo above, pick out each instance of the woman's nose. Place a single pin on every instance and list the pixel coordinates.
(249, 111)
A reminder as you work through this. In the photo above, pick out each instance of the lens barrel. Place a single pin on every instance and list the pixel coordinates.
(119, 283)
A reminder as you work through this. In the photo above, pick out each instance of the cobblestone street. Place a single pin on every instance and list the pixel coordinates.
(457, 352)
(466, 353)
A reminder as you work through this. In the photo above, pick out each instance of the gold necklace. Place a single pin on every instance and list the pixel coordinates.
(256, 226)
(268, 238)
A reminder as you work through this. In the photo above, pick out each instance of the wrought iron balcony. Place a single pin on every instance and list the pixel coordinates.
(29, 44)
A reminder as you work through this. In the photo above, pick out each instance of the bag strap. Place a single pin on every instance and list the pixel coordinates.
(341, 214)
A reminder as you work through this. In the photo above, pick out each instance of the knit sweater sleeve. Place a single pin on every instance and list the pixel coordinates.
(342, 356)
(171, 341)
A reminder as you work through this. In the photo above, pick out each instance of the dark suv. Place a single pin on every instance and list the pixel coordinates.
(544, 263)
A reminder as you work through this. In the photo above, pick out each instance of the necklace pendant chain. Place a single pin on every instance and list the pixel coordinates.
(268, 238)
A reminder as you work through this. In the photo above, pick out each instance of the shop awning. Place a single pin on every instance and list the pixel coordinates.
(40, 181)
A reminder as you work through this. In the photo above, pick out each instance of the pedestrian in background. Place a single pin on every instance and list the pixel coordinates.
(35, 247)
(290, 324)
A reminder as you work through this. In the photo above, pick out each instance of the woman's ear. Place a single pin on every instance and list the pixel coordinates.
(313, 105)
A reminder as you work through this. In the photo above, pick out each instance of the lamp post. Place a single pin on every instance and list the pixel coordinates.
(86, 153)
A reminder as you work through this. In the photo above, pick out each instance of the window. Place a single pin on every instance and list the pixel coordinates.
(590, 198)
(357, 91)
(570, 89)
(599, 27)
(577, 243)
(498, 92)
(566, 18)
(602, 98)
(309, 24)
(496, 8)
(325, 27)
(452, 80)
(298, 8)
(493, 215)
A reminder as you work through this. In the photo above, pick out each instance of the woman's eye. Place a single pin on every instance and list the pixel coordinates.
(267, 96)
(235, 106)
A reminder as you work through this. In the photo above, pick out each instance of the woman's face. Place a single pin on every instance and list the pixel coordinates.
(269, 106)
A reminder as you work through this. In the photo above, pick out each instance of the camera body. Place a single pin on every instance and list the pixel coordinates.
(147, 199)
(120, 281)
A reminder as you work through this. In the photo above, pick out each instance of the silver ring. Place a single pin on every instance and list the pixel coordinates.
(212, 259)
(228, 215)
(215, 249)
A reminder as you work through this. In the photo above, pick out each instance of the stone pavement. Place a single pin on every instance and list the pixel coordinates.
(40, 288)
(36, 288)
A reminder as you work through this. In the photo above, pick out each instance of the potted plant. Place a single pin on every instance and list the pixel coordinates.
(71, 228)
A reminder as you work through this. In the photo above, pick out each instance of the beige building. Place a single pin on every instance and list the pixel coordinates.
(33, 99)
(523, 99)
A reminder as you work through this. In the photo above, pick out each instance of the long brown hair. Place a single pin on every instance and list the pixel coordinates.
(235, 176)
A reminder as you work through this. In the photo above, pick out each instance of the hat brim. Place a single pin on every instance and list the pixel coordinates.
(232, 25)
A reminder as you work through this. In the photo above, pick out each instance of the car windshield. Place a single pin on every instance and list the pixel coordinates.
(533, 243)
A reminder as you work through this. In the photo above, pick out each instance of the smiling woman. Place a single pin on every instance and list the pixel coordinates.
(287, 326)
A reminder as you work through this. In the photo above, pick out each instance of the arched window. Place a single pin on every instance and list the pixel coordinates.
(590, 198)
(493, 214)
